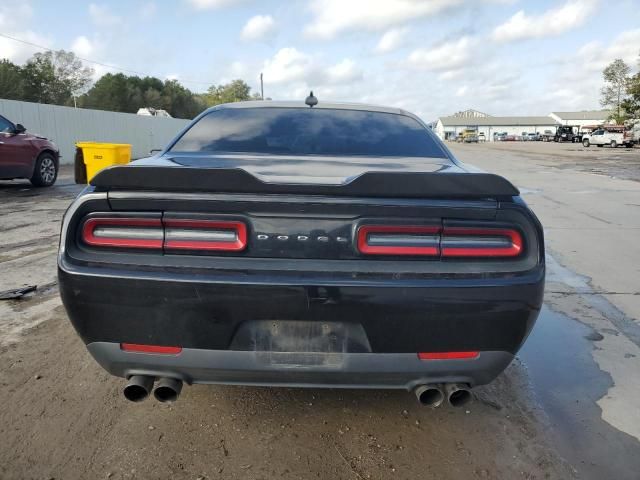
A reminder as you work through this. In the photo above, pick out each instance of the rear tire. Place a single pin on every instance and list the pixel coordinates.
(45, 172)
(613, 144)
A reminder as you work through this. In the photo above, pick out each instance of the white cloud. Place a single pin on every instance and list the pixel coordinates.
(392, 40)
(444, 57)
(82, 46)
(287, 65)
(556, 21)
(332, 17)
(102, 16)
(213, 4)
(461, 92)
(344, 72)
(259, 27)
(15, 21)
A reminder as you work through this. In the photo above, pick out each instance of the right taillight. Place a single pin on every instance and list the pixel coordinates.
(480, 242)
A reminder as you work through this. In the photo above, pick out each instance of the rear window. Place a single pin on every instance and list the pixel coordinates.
(296, 131)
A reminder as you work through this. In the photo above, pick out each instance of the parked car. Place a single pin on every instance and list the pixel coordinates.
(500, 137)
(482, 137)
(532, 137)
(275, 244)
(567, 133)
(548, 135)
(25, 155)
(613, 136)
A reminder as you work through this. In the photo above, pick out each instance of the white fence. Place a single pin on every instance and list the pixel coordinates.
(67, 125)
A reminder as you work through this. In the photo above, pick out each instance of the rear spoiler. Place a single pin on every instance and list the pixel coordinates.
(370, 184)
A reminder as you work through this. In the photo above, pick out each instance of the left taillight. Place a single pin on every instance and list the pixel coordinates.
(169, 234)
(122, 232)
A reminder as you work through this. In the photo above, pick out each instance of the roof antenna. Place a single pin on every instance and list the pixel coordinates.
(311, 100)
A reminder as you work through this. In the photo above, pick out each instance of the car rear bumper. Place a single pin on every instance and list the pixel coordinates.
(350, 370)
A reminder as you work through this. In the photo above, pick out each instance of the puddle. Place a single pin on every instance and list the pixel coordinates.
(567, 383)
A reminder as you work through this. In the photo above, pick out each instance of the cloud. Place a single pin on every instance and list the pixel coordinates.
(332, 17)
(287, 65)
(82, 46)
(102, 16)
(392, 40)
(259, 27)
(148, 10)
(556, 21)
(443, 57)
(15, 20)
(213, 4)
(344, 72)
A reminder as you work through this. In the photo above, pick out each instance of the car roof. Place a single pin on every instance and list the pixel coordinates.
(321, 105)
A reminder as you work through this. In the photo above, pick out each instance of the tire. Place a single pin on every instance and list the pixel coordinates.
(613, 144)
(45, 172)
(585, 143)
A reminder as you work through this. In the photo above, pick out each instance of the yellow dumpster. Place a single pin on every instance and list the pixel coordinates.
(96, 156)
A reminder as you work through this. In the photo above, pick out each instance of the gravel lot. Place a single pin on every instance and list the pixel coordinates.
(568, 407)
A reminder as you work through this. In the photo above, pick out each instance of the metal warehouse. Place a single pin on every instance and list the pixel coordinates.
(448, 128)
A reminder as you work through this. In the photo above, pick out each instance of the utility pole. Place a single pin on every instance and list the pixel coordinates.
(261, 87)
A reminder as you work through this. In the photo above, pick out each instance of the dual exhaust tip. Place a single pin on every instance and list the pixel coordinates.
(433, 395)
(139, 387)
(167, 390)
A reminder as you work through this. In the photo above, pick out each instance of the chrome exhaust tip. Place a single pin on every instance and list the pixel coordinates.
(138, 388)
(429, 395)
(167, 390)
(458, 394)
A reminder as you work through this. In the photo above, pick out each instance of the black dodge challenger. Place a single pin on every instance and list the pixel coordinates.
(276, 244)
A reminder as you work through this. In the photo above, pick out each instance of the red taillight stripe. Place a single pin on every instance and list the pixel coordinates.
(138, 348)
(90, 225)
(239, 228)
(477, 233)
(447, 355)
(365, 230)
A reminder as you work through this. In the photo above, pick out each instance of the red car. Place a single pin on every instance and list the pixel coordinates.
(24, 155)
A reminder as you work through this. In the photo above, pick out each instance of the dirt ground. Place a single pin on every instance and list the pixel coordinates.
(566, 408)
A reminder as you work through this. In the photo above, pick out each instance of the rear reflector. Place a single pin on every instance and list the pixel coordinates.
(480, 242)
(447, 355)
(120, 232)
(135, 347)
(187, 234)
(399, 240)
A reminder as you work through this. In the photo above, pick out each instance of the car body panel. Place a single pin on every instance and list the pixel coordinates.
(19, 152)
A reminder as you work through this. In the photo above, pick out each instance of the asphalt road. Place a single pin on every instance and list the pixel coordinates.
(568, 407)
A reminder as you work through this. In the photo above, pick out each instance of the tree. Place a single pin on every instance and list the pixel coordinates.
(55, 77)
(236, 91)
(614, 92)
(11, 84)
(631, 104)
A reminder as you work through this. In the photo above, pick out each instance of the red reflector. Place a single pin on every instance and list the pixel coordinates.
(134, 347)
(480, 242)
(447, 355)
(123, 232)
(187, 234)
(399, 240)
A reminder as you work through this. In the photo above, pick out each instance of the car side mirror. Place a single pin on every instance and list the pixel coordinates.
(20, 128)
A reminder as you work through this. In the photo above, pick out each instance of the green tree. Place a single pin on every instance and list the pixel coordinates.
(614, 92)
(55, 77)
(11, 84)
(235, 91)
(631, 104)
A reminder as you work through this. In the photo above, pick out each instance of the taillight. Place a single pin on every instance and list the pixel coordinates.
(448, 355)
(480, 242)
(399, 240)
(120, 232)
(187, 234)
(157, 349)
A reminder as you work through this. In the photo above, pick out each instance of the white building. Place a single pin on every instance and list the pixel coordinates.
(448, 127)
(585, 117)
(153, 112)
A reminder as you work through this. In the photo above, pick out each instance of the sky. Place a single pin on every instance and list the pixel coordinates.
(431, 57)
